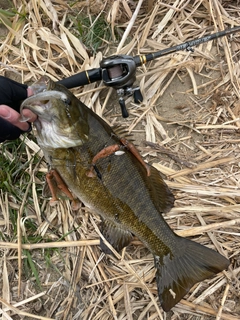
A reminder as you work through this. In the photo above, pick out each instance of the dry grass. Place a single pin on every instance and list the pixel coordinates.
(190, 120)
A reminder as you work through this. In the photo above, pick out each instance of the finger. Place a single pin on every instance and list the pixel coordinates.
(12, 116)
(29, 115)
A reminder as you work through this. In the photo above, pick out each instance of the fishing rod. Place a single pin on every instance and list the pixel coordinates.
(119, 71)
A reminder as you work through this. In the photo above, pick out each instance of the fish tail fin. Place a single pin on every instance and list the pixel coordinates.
(178, 272)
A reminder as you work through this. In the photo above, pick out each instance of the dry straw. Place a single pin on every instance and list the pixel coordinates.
(190, 120)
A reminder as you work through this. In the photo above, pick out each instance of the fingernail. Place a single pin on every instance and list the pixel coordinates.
(22, 118)
(5, 113)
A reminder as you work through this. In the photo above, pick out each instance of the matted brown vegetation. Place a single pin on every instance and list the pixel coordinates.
(187, 126)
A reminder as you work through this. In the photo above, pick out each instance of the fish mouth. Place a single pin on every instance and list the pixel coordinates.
(38, 103)
(53, 130)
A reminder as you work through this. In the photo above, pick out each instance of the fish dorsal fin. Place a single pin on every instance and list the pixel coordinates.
(159, 191)
(122, 132)
(116, 235)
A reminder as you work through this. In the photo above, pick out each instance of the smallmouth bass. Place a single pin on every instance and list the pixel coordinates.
(129, 196)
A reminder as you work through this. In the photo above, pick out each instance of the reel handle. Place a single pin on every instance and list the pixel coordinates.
(123, 107)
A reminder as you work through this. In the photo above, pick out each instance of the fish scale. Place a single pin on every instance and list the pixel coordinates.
(113, 185)
(129, 198)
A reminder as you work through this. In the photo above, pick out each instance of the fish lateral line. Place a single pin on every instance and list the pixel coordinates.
(109, 150)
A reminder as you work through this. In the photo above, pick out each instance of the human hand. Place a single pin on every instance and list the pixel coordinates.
(11, 95)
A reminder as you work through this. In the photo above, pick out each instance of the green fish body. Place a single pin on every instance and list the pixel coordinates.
(129, 200)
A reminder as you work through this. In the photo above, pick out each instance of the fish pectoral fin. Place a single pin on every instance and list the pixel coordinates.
(57, 186)
(159, 191)
(46, 193)
(116, 235)
(177, 274)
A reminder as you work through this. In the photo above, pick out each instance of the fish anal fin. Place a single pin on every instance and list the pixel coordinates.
(176, 274)
(116, 235)
(159, 191)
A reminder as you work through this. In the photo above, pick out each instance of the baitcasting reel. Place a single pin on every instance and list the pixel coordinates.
(119, 71)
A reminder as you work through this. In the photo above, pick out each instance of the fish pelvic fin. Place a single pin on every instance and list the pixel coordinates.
(176, 274)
